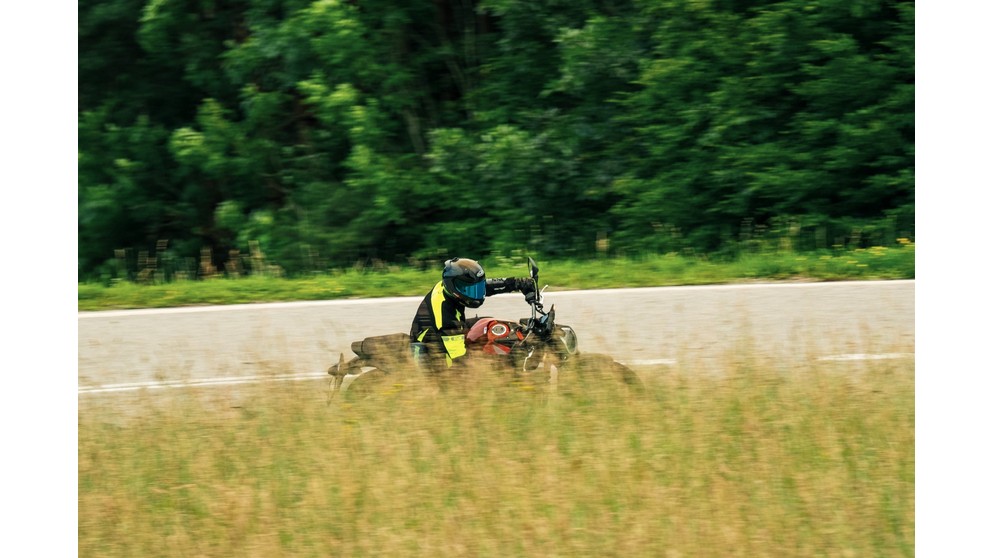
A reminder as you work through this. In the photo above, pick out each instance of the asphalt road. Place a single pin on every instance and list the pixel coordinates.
(788, 323)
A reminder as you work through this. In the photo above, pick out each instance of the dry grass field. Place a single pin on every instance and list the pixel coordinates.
(813, 460)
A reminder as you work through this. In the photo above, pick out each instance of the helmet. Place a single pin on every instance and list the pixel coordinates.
(465, 281)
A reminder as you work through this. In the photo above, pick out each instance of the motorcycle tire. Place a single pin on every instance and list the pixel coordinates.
(600, 372)
(363, 385)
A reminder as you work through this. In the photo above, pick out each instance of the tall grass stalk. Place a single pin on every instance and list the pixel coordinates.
(756, 462)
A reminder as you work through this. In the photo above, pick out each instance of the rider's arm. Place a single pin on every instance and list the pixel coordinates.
(498, 285)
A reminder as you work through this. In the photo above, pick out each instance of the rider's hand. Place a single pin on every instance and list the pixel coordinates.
(530, 297)
(526, 286)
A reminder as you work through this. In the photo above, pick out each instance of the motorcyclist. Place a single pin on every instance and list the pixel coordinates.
(439, 326)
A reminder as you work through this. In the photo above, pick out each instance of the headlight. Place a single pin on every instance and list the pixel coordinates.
(569, 339)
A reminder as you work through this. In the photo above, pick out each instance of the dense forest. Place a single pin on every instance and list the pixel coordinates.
(228, 135)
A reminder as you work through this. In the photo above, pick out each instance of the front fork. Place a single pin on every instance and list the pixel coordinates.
(540, 360)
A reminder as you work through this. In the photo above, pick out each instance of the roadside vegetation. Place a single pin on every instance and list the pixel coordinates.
(761, 460)
(378, 280)
(325, 133)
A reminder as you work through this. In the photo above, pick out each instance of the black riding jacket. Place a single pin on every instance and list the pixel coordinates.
(440, 321)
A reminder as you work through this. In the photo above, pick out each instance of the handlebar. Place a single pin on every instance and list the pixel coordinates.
(540, 321)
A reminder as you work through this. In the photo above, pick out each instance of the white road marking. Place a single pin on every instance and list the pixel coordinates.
(200, 383)
(240, 380)
(833, 358)
(551, 293)
(253, 306)
(651, 362)
(861, 356)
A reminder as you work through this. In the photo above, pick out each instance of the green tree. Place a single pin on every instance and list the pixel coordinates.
(323, 133)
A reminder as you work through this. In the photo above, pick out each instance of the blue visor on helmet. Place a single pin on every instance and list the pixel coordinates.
(475, 291)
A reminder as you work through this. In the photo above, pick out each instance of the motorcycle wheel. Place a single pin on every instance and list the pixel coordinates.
(598, 372)
(362, 385)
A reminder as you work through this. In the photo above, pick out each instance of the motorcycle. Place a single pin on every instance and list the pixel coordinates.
(533, 351)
